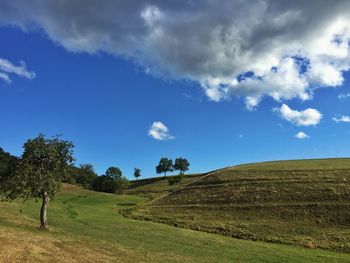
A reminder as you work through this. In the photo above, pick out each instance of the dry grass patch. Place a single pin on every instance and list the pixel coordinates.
(18, 246)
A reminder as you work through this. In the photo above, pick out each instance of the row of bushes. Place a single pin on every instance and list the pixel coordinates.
(111, 182)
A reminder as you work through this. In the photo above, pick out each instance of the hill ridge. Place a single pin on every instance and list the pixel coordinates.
(264, 204)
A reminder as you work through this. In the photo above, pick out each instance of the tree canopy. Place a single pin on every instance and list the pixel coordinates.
(181, 164)
(85, 175)
(114, 172)
(7, 166)
(137, 173)
(165, 165)
(103, 183)
(40, 170)
(111, 182)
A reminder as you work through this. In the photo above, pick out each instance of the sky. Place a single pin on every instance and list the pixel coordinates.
(217, 82)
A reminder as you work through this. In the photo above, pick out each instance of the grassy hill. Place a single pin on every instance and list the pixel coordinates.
(303, 164)
(302, 202)
(156, 186)
(87, 226)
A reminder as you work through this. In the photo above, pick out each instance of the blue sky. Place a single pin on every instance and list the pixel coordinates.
(106, 104)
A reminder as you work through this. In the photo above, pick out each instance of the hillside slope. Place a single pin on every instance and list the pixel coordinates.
(305, 202)
(87, 226)
(156, 186)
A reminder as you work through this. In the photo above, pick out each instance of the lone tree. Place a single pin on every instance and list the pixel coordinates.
(137, 173)
(38, 174)
(165, 165)
(112, 182)
(113, 172)
(182, 165)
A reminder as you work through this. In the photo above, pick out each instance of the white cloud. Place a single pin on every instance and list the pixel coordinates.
(7, 68)
(5, 77)
(306, 117)
(343, 96)
(159, 131)
(343, 118)
(301, 135)
(281, 49)
(251, 102)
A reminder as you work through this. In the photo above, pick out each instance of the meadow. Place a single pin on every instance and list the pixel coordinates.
(86, 226)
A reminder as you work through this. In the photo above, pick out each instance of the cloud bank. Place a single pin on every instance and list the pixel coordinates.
(250, 49)
(160, 132)
(306, 117)
(7, 68)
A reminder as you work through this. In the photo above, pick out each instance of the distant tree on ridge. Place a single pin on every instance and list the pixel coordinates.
(137, 173)
(165, 165)
(181, 164)
(113, 172)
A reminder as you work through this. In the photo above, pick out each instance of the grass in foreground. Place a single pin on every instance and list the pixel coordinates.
(87, 227)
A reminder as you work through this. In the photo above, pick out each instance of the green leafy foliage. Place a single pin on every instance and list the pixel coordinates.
(114, 172)
(41, 168)
(86, 174)
(103, 183)
(181, 164)
(137, 173)
(165, 165)
(111, 182)
(7, 166)
(82, 175)
(39, 172)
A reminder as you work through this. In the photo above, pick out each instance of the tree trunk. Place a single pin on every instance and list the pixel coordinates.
(43, 218)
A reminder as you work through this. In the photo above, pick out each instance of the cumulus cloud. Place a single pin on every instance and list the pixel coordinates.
(306, 117)
(301, 136)
(282, 49)
(343, 118)
(7, 68)
(159, 131)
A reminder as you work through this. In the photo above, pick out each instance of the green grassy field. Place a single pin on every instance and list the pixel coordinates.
(88, 227)
(305, 203)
